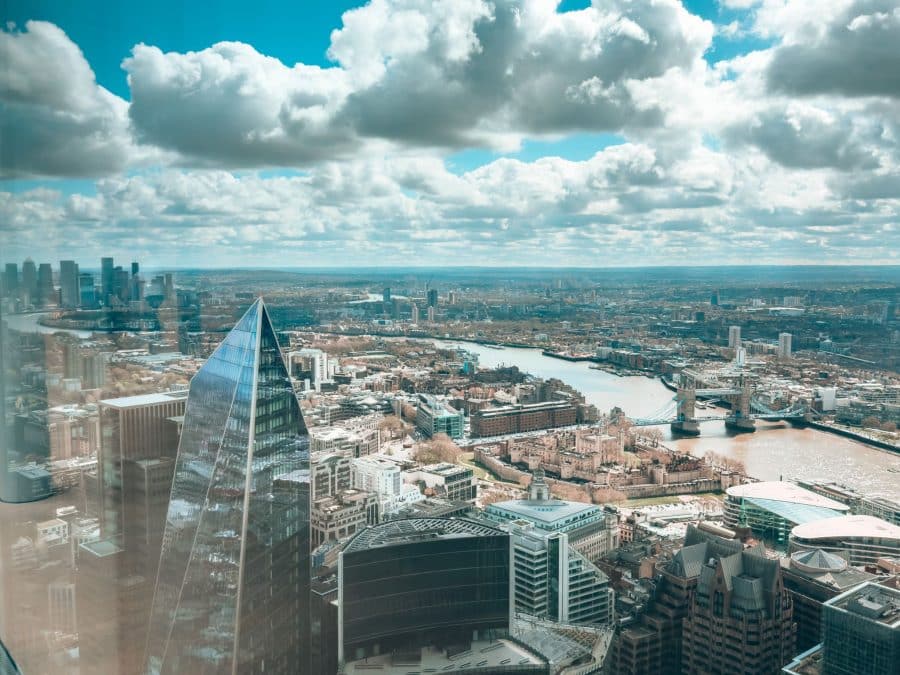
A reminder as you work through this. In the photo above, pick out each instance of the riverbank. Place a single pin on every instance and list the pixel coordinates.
(856, 436)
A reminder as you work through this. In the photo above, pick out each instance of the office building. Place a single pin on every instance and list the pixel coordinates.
(554, 581)
(69, 293)
(654, 644)
(233, 587)
(784, 345)
(434, 416)
(740, 619)
(432, 297)
(862, 540)
(11, 280)
(734, 337)
(453, 482)
(591, 530)
(431, 315)
(342, 515)
(771, 509)
(861, 631)
(378, 475)
(386, 296)
(132, 428)
(46, 293)
(408, 584)
(110, 610)
(309, 364)
(414, 313)
(520, 418)
(107, 279)
(87, 292)
(329, 474)
(29, 281)
(812, 578)
(351, 442)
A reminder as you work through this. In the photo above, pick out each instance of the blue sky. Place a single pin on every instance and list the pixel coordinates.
(355, 137)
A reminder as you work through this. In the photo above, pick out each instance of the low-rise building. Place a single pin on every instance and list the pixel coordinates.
(342, 515)
(449, 481)
(433, 416)
(862, 540)
(520, 418)
(772, 509)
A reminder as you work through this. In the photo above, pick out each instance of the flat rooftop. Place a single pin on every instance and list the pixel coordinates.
(782, 491)
(848, 527)
(145, 399)
(483, 656)
(546, 511)
(398, 532)
(872, 601)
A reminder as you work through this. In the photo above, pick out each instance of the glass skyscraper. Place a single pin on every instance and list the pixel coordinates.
(232, 594)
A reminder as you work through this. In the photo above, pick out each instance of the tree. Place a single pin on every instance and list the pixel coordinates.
(392, 426)
(408, 412)
(440, 448)
(871, 422)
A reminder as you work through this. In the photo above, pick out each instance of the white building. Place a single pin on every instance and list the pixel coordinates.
(554, 581)
(312, 361)
(784, 345)
(376, 474)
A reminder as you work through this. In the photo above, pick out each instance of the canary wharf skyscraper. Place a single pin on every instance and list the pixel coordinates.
(233, 584)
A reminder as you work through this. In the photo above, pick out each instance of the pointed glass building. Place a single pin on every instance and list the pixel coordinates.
(233, 584)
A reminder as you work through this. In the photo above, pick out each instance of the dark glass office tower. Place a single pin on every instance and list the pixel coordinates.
(232, 593)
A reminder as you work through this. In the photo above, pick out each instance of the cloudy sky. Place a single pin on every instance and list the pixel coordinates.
(451, 132)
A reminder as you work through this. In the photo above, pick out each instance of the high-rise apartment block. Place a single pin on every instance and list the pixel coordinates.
(734, 337)
(784, 345)
(232, 593)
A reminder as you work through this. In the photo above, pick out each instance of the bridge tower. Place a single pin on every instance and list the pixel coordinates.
(685, 422)
(739, 419)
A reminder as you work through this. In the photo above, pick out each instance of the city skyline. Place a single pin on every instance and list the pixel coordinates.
(626, 133)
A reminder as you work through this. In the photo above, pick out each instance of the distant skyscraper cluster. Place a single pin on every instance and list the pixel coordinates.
(35, 286)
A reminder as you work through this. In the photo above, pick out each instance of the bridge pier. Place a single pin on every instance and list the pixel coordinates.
(685, 422)
(739, 420)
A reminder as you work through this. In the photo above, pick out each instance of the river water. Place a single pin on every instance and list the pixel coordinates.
(28, 323)
(776, 450)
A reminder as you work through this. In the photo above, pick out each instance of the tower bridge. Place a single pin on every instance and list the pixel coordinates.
(746, 408)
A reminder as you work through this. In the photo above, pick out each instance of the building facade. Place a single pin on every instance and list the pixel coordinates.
(741, 618)
(861, 631)
(591, 530)
(772, 509)
(862, 540)
(233, 587)
(520, 418)
(410, 583)
(436, 417)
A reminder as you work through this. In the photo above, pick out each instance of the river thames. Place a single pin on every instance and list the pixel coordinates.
(775, 451)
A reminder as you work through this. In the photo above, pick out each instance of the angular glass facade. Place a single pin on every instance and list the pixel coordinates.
(233, 584)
